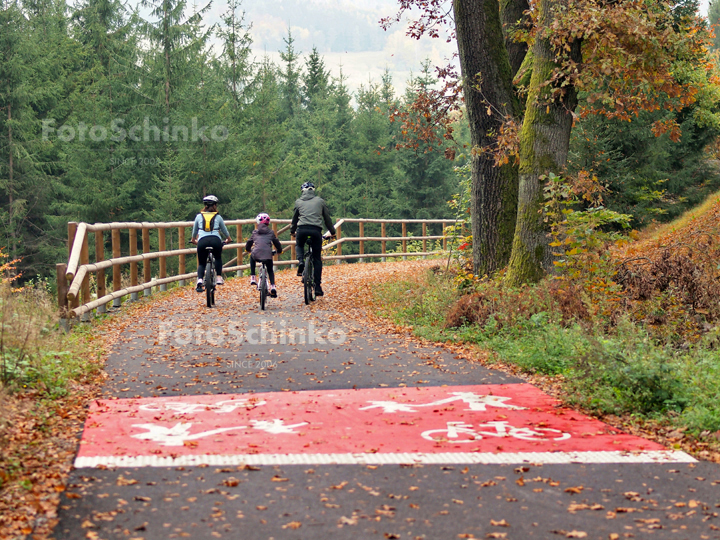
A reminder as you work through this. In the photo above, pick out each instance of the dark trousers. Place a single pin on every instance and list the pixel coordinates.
(268, 265)
(313, 235)
(217, 246)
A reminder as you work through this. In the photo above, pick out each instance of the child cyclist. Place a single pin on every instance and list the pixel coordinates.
(208, 229)
(260, 246)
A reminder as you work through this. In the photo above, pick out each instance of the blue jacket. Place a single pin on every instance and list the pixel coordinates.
(219, 228)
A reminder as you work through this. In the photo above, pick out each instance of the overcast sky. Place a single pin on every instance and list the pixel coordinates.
(346, 33)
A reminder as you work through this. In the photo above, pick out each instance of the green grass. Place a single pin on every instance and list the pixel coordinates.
(35, 354)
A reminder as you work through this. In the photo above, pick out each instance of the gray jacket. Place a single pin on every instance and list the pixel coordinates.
(311, 210)
(261, 243)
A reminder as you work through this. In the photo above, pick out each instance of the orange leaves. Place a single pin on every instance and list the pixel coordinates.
(669, 126)
(429, 119)
(635, 58)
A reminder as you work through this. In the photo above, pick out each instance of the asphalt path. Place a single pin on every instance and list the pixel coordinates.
(334, 441)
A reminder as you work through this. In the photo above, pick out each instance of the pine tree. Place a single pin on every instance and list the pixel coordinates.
(36, 57)
(175, 115)
(17, 122)
(235, 58)
(290, 79)
(266, 181)
(100, 180)
(316, 80)
(373, 157)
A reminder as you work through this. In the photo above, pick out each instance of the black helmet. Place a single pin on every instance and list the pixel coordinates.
(307, 186)
(210, 200)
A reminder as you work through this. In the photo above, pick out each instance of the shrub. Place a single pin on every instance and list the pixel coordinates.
(628, 373)
(34, 353)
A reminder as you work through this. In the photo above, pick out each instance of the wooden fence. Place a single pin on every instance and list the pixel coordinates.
(73, 278)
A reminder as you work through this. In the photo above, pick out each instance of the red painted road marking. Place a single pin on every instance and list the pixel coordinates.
(512, 418)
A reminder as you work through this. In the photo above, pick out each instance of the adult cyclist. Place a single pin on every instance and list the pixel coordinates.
(208, 231)
(310, 214)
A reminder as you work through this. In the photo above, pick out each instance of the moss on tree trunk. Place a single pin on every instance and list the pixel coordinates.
(544, 144)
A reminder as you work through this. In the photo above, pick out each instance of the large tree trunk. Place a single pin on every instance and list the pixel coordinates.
(544, 144)
(512, 15)
(488, 89)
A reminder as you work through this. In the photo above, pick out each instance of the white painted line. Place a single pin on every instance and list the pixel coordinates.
(485, 458)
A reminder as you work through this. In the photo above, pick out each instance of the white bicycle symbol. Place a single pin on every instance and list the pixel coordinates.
(466, 434)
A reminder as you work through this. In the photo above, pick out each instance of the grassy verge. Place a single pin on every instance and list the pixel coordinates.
(618, 369)
(46, 379)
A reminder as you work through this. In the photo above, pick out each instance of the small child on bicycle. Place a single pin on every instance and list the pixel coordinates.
(260, 247)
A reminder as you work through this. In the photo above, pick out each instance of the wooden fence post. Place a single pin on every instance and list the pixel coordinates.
(85, 259)
(424, 233)
(133, 265)
(274, 228)
(293, 256)
(181, 261)
(339, 246)
(362, 242)
(117, 269)
(147, 270)
(444, 237)
(383, 233)
(404, 242)
(163, 262)
(62, 289)
(100, 275)
(240, 250)
(72, 231)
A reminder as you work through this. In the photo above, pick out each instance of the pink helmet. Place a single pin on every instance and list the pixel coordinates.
(263, 218)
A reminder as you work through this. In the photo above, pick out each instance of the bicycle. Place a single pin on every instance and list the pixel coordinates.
(308, 277)
(210, 278)
(454, 430)
(263, 283)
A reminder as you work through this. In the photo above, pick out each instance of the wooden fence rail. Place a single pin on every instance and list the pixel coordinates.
(74, 284)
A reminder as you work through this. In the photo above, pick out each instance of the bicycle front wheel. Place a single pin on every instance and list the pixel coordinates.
(263, 291)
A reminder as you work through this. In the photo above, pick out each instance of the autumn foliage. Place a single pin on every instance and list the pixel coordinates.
(637, 56)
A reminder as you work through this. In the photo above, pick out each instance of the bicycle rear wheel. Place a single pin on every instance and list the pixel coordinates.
(210, 281)
(308, 280)
(263, 288)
